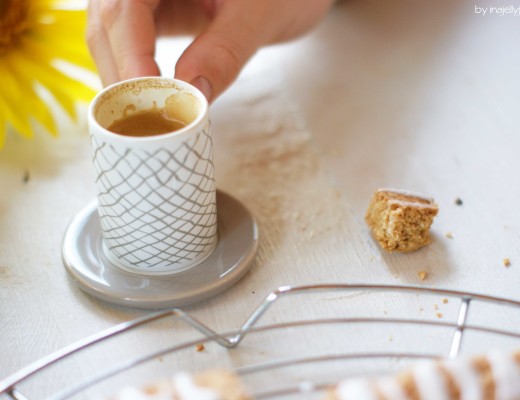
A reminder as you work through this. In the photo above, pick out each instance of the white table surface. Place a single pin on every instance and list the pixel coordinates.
(417, 95)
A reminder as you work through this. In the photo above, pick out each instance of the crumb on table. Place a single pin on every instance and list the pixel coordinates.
(507, 262)
(26, 176)
(423, 275)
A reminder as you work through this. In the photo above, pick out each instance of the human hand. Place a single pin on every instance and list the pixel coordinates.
(122, 34)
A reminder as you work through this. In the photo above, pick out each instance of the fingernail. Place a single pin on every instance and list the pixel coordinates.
(204, 86)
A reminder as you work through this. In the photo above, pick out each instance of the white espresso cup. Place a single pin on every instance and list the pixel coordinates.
(156, 194)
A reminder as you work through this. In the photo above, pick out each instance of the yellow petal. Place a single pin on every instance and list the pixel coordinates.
(31, 98)
(39, 7)
(52, 84)
(67, 14)
(59, 32)
(65, 89)
(36, 55)
(12, 102)
(66, 35)
(15, 117)
(55, 34)
(68, 24)
(66, 49)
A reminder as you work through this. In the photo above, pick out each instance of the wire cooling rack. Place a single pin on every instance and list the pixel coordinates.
(458, 328)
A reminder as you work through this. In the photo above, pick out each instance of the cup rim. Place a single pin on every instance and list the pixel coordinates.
(152, 138)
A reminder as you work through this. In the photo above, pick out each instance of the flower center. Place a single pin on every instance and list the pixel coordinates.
(14, 22)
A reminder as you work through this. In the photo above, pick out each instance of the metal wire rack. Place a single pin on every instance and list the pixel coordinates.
(459, 327)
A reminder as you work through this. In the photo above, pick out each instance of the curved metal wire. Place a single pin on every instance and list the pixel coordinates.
(233, 339)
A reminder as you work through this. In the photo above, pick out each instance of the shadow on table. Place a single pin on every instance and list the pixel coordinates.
(429, 266)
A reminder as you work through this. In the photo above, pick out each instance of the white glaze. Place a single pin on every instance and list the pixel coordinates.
(466, 377)
(356, 389)
(506, 373)
(391, 388)
(188, 390)
(406, 193)
(181, 384)
(430, 383)
(131, 393)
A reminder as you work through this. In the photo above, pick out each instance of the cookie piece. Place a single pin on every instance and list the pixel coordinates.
(493, 376)
(210, 385)
(400, 220)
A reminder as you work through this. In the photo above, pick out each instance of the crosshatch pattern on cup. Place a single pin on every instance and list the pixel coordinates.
(159, 199)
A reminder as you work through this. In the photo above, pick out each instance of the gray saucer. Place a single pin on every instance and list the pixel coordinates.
(231, 259)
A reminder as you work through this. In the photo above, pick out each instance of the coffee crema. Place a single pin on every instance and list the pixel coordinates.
(149, 122)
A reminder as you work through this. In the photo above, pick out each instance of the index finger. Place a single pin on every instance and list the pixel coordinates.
(131, 31)
(99, 45)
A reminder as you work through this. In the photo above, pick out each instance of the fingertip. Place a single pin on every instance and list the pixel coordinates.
(210, 65)
(140, 66)
(202, 83)
(215, 58)
(133, 49)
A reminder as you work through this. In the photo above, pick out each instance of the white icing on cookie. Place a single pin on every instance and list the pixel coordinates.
(131, 393)
(429, 381)
(432, 384)
(182, 385)
(506, 373)
(186, 389)
(356, 389)
(406, 193)
(466, 377)
(391, 388)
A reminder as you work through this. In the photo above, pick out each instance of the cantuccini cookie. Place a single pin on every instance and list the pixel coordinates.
(400, 220)
(491, 376)
(210, 385)
(494, 376)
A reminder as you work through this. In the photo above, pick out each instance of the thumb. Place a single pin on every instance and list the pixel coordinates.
(214, 59)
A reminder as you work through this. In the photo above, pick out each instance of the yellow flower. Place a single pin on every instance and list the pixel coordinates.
(35, 36)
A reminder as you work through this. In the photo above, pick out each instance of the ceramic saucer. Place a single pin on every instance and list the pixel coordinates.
(231, 259)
